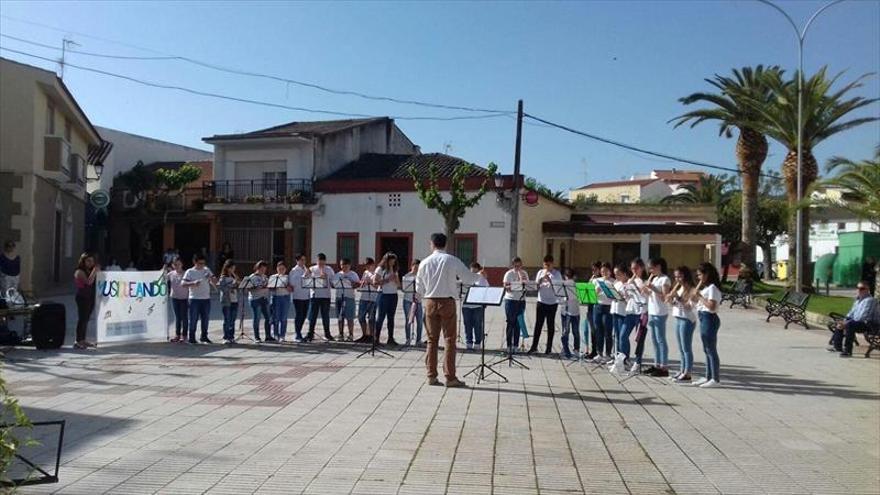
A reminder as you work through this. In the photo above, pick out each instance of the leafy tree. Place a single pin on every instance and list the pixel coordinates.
(532, 184)
(859, 183)
(582, 201)
(454, 206)
(712, 189)
(732, 106)
(11, 414)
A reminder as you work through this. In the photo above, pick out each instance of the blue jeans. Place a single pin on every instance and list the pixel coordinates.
(387, 308)
(260, 305)
(473, 319)
(280, 310)
(570, 324)
(418, 320)
(624, 329)
(230, 313)
(684, 328)
(512, 309)
(709, 325)
(181, 317)
(657, 325)
(589, 331)
(199, 309)
(603, 329)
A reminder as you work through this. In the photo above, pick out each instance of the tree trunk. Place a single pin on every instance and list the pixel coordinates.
(451, 225)
(808, 175)
(767, 251)
(751, 151)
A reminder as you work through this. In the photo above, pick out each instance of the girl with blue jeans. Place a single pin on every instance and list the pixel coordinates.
(657, 289)
(279, 285)
(679, 298)
(571, 316)
(626, 315)
(228, 287)
(603, 321)
(259, 299)
(387, 278)
(707, 297)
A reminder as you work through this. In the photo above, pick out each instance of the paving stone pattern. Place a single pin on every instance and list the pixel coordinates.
(178, 419)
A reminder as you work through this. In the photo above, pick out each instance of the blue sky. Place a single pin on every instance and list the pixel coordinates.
(614, 69)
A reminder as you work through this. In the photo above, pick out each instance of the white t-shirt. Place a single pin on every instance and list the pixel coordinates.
(656, 305)
(683, 309)
(546, 292)
(619, 307)
(295, 278)
(635, 300)
(367, 279)
(201, 290)
(389, 286)
(512, 276)
(481, 282)
(348, 290)
(324, 292)
(278, 284)
(257, 286)
(711, 293)
(177, 291)
(600, 294)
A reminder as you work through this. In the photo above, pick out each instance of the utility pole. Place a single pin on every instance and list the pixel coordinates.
(64, 44)
(514, 205)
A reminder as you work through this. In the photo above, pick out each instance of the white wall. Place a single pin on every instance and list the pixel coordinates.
(295, 157)
(655, 191)
(823, 238)
(368, 213)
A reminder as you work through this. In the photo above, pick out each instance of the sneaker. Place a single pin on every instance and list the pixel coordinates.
(80, 346)
(635, 368)
(408, 343)
(470, 347)
(175, 339)
(455, 383)
(832, 349)
(650, 370)
(567, 355)
(710, 384)
(228, 341)
(298, 340)
(270, 339)
(329, 338)
(205, 340)
(661, 372)
(683, 379)
(257, 340)
(590, 356)
(341, 337)
(434, 382)
(845, 354)
(191, 341)
(392, 342)
(701, 381)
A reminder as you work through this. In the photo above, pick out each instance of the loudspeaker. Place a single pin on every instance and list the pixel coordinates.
(48, 326)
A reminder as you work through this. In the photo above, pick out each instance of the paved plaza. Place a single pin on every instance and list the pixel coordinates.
(179, 419)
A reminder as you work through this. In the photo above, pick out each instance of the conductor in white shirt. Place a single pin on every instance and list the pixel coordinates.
(437, 285)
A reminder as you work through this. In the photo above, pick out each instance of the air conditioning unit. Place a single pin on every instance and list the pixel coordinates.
(130, 200)
(56, 154)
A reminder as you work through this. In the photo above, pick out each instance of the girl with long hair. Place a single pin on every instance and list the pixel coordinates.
(707, 297)
(258, 297)
(228, 287)
(619, 312)
(603, 320)
(179, 300)
(657, 289)
(638, 305)
(679, 297)
(388, 278)
(84, 279)
(279, 286)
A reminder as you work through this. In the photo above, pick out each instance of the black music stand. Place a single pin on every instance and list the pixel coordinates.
(484, 296)
(341, 284)
(462, 293)
(522, 287)
(243, 286)
(409, 287)
(371, 323)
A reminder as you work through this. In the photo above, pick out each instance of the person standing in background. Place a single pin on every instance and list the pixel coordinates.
(571, 317)
(603, 317)
(346, 281)
(226, 253)
(869, 274)
(514, 302)
(258, 296)
(198, 280)
(279, 288)
(589, 328)
(320, 298)
(228, 287)
(680, 297)
(84, 279)
(10, 268)
(707, 297)
(179, 300)
(548, 303)
(387, 279)
(412, 307)
(367, 302)
(300, 295)
(474, 315)
(657, 289)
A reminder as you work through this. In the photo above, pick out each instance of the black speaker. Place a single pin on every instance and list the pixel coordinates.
(48, 326)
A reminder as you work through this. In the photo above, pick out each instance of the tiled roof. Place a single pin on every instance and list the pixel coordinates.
(380, 166)
(313, 128)
(636, 182)
(679, 175)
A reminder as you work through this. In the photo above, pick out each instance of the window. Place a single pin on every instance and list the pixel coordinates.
(394, 200)
(68, 135)
(274, 184)
(347, 246)
(841, 226)
(624, 198)
(50, 119)
(465, 247)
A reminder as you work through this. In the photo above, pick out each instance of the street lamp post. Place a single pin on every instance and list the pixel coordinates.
(801, 34)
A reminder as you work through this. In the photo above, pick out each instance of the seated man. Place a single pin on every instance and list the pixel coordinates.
(864, 312)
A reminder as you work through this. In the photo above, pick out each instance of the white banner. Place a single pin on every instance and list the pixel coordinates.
(131, 306)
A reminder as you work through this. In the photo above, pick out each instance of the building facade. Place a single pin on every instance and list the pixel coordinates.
(650, 188)
(46, 146)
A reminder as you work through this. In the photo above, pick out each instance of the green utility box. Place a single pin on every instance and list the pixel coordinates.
(824, 269)
(853, 249)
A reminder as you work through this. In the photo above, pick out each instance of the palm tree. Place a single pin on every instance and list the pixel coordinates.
(731, 107)
(824, 111)
(712, 189)
(859, 183)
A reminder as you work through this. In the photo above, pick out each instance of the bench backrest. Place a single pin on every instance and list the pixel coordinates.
(786, 297)
(739, 285)
(798, 299)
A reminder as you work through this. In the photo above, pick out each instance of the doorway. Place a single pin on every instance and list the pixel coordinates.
(190, 238)
(397, 243)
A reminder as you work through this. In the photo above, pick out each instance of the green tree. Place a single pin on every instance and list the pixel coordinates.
(712, 189)
(731, 106)
(454, 206)
(11, 414)
(583, 201)
(826, 112)
(859, 183)
(532, 184)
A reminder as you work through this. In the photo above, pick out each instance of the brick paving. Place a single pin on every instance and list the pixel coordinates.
(178, 419)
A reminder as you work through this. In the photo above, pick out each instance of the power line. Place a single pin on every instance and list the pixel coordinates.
(245, 100)
(242, 72)
(634, 148)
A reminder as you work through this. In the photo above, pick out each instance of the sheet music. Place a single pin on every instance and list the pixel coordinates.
(486, 296)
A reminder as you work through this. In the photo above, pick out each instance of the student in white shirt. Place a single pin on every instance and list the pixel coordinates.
(228, 287)
(603, 320)
(412, 307)
(571, 316)
(618, 308)
(589, 327)
(546, 278)
(179, 301)
(514, 302)
(388, 280)
(707, 298)
(679, 298)
(639, 305)
(300, 295)
(320, 301)
(345, 282)
(258, 296)
(198, 280)
(658, 311)
(473, 316)
(367, 302)
(279, 288)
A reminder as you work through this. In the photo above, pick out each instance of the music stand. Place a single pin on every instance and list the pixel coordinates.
(243, 286)
(570, 290)
(462, 293)
(484, 296)
(371, 323)
(522, 287)
(409, 287)
(341, 283)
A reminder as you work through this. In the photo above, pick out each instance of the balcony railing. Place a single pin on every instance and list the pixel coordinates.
(259, 191)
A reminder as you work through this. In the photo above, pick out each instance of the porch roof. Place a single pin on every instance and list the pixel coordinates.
(587, 227)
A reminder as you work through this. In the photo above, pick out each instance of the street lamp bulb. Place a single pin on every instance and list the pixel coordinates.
(99, 170)
(499, 181)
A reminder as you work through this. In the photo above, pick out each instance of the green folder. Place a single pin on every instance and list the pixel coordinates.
(586, 292)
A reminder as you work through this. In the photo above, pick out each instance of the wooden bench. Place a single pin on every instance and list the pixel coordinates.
(792, 308)
(741, 294)
(872, 334)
